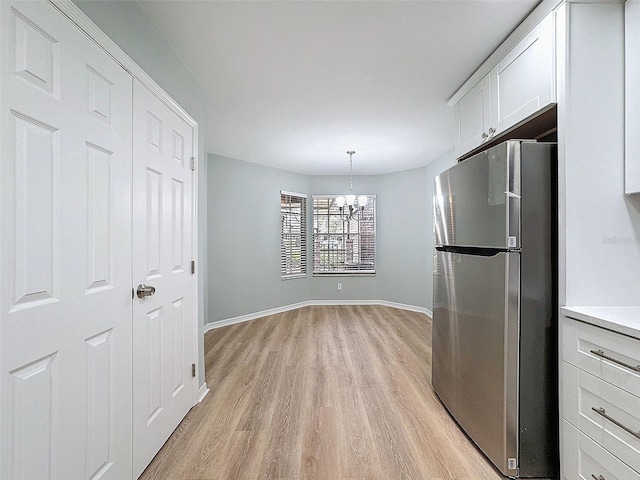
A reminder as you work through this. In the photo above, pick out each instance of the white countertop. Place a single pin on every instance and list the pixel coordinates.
(625, 320)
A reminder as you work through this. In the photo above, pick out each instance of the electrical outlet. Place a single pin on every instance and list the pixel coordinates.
(339, 286)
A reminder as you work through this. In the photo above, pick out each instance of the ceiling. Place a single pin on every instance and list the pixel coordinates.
(295, 84)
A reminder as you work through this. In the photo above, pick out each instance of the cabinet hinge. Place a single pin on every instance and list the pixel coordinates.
(193, 163)
(193, 267)
(193, 369)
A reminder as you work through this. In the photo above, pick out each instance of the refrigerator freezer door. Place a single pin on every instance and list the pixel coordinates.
(475, 348)
(477, 202)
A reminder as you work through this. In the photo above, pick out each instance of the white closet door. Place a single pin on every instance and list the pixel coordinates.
(65, 251)
(163, 323)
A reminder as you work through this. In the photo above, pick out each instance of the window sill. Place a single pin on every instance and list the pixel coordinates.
(294, 277)
(345, 274)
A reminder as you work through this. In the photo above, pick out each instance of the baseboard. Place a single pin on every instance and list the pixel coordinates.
(308, 303)
(344, 302)
(253, 316)
(202, 392)
(410, 308)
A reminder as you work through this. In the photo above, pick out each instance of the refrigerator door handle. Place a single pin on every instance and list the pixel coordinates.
(512, 355)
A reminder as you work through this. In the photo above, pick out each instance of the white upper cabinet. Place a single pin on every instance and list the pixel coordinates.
(632, 97)
(473, 117)
(524, 79)
(520, 84)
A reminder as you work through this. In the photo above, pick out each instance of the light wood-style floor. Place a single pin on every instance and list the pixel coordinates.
(325, 392)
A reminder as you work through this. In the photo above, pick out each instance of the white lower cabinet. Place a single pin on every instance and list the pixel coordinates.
(584, 459)
(603, 411)
(600, 404)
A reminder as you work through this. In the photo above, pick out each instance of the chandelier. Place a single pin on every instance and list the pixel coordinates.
(355, 205)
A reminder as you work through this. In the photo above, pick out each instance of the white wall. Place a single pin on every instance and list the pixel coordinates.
(599, 225)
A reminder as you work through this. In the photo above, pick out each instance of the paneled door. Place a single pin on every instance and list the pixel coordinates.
(65, 251)
(164, 388)
(473, 117)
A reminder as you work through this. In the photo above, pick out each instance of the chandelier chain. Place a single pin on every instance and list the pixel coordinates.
(350, 153)
(354, 206)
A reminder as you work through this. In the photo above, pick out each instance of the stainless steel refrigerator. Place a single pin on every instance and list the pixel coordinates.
(494, 304)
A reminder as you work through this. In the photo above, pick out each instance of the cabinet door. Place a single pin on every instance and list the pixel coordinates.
(584, 459)
(603, 412)
(473, 117)
(524, 80)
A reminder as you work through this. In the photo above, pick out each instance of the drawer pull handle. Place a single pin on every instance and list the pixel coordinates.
(601, 411)
(599, 477)
(600, 353)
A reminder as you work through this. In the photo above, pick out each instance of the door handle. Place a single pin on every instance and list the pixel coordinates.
(601, 354)
(145, 291)
(602, 412)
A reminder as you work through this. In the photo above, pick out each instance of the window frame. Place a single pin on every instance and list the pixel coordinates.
(344, 272)
(286, 273)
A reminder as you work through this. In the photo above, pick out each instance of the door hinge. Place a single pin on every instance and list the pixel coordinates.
(193, 369)
(193, 163)
(193, 267)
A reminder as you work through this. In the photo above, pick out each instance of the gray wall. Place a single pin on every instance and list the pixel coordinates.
(244, 238)
(403, 237)
(129, 27)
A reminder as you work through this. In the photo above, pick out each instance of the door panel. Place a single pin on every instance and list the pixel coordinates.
(477, 202)
(473, 116)
(164, 389)
(475, 345)
(65, 238)
(525, 77)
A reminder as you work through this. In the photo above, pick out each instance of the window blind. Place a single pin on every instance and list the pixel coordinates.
(293, 239)
(343, 246)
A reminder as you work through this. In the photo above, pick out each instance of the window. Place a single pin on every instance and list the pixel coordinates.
(342, 245)
(293, 239)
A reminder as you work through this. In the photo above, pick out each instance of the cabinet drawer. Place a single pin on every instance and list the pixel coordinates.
(605, 413)
(605, 354)
(584, 459)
